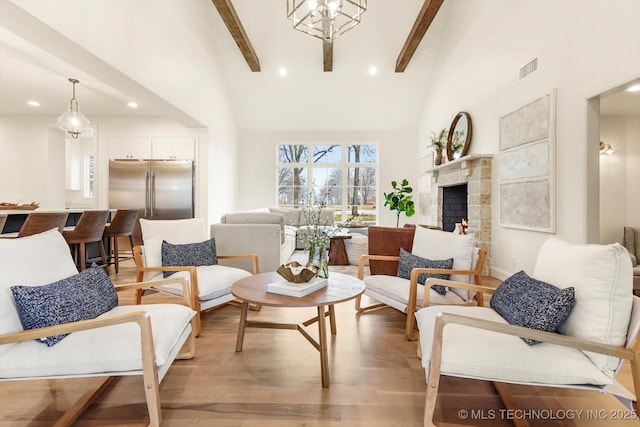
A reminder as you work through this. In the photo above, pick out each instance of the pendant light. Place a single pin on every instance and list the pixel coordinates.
(73, 121)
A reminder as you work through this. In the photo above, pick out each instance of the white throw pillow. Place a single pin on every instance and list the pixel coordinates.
(436, 245)
(602, 277)
(176, 231)
(34, 260)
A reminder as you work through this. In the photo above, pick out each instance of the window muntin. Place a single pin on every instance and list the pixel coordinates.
(326, 173)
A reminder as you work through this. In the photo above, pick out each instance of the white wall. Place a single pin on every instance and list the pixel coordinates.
(30, 168)
(477, 47)
(258, 173)
(619, 176)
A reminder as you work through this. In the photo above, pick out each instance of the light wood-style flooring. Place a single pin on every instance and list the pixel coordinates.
(376, 381)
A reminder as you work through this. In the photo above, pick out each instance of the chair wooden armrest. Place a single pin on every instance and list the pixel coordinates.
(186, 288)
(252, 257)
(140, 317)
(365, 258)
(632, 354)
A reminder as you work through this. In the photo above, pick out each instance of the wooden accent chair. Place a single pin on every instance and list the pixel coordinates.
(89, 229)
(122, 224)
(210, 284)
(127, 340)
(586, 353)
(407, 295)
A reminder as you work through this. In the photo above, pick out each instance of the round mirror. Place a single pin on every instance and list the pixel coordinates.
(459, 137)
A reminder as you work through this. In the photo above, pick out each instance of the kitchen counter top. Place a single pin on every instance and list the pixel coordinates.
(28, 211)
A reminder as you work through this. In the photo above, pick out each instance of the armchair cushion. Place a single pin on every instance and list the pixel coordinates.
(16, 267)
(409, 261)
(524, 301)
(394, 291)
(602, 278)
(196, 254)
(465, 353)
(80, 297)
(175, 231)
(214, 281)
(104, 350)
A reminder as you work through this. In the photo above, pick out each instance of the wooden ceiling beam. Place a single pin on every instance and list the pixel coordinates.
(327, 55)
(425, 18)
(230, 17)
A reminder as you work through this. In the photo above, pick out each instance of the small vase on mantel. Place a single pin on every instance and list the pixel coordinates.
(437, 160)
(319, 256)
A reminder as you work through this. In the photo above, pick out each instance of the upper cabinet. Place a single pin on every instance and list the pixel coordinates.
(173, 148)
(129, 148)
(151, 148)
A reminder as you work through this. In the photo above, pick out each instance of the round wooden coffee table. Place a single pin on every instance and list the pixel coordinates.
(253, 289)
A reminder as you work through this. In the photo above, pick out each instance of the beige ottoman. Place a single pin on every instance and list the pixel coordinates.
(356, 246)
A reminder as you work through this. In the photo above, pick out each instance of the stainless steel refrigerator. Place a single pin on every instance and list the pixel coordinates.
(160, 189)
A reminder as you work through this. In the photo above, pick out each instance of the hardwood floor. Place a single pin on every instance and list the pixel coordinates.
(376, 381)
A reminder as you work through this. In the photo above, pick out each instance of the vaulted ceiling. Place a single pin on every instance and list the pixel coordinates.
(165, 55)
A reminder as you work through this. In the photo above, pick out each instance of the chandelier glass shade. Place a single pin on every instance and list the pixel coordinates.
(73, 121)
(325, 19)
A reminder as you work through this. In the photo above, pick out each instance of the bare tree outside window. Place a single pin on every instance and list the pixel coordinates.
(344, 174)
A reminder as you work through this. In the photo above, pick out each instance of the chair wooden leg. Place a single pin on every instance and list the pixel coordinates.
(83, 262)
(434, 374)
(360, 308)
(116, 256)
(103, 254)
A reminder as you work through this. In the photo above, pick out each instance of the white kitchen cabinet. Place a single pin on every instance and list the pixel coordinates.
(173, 148)
(129, 148)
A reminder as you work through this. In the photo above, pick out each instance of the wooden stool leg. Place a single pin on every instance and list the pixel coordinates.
(116, 255)
(103, 254)
(83, 262)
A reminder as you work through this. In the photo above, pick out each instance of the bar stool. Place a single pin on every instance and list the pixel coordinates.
(39, 222)
(89, 229)
(121, 226)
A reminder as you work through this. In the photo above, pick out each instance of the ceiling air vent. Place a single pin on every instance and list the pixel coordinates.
(529, 68)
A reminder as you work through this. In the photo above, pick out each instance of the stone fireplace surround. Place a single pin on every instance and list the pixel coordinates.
(475, 170)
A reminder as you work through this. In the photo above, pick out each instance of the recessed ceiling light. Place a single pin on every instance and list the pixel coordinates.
(373, 70)
(634, 88)
(33, 103)
(132, 105)
(282, 71)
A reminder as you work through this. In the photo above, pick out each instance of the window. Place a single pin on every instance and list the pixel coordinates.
(345, 174)
(89, 175)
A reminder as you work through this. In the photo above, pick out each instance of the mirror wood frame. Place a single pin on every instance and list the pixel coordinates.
(467, 140)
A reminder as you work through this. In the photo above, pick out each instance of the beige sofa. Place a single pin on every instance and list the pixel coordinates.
(632, 243)
(271, 233)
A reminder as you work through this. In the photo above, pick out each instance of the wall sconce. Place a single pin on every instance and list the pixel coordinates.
(606, 148)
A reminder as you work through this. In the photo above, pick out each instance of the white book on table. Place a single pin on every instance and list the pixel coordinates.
(297, 289)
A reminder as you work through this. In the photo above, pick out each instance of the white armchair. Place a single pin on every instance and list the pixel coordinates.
(586, 353)
(210, 284)
(126, 340)
(407, 294)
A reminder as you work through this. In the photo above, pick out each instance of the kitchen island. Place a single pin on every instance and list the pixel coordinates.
(16, 217)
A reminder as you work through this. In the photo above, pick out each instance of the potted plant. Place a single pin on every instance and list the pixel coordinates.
(439, 143)
(400, 199)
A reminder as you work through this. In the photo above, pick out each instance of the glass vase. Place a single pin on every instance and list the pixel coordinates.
(319, 256)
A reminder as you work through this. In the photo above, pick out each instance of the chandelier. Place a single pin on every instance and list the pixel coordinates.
(73, 121)
(325, 19)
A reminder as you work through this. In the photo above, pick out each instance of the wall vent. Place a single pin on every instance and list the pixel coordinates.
(529, 68)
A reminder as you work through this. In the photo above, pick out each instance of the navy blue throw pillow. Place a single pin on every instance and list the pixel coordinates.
(194, 254)
(80, 297)
(409, 261)
(524, 301)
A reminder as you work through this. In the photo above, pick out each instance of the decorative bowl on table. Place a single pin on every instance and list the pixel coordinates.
(297, 273)
(15, 206)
